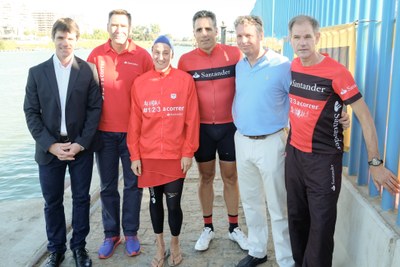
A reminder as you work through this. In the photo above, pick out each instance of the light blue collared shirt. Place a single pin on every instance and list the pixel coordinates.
(261, 103)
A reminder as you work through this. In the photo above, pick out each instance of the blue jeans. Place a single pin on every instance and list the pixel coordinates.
(52, 179)
(108, 158)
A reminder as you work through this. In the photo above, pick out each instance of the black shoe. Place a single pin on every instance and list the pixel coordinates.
(54, 259)
(250, 261)
(82, 258)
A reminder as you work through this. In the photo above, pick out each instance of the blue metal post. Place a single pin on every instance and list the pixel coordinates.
(347, 5)
(311, 7)
(322, 12)
(342, 11)
(337, 15)
(355, 138)
(273, 19)
(295, 10)
(318, 9)
(370, 91)
(384, 65)
(315, 9)
(393, 140)
(327, 13)
(355, 9)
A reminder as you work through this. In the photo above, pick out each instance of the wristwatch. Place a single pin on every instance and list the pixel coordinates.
(375, 162)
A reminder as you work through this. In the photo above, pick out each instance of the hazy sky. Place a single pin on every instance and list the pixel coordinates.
(173, 16)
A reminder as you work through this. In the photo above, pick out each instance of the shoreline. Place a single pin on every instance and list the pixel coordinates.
(18, 45)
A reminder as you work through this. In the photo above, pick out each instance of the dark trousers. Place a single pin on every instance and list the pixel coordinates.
(313, 183)
(52, 180)
(115, 149)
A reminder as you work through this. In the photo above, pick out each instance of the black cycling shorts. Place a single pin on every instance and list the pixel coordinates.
(216, 137)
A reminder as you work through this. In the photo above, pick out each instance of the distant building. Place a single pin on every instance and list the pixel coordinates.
(44, 21)
(18, 21)
(15, 18)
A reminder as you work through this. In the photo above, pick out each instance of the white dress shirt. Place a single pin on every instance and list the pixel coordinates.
(62, 75)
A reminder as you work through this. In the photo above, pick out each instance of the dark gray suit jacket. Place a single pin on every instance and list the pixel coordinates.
(43, 109)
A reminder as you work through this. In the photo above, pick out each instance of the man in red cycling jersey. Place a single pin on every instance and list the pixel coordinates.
(320, 86)
(212, 66)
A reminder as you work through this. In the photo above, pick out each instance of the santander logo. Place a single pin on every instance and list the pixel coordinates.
(337, 106)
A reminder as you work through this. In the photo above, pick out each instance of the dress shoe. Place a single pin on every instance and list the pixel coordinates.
(54, 259)
(250, 261)
(82, 258)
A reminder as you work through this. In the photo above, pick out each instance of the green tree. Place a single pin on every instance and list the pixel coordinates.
(100, 34)
(154, 31)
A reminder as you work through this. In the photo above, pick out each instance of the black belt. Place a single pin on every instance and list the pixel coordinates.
(64, 139)
(261, 137)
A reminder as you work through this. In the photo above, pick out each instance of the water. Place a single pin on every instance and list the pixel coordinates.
(18, 169)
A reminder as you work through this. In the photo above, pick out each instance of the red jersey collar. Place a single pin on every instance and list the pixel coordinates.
(216, 47)
(164, 73)
(131, 46)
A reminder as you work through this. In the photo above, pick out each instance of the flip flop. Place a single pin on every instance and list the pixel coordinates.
(174, 259)
(158, 262)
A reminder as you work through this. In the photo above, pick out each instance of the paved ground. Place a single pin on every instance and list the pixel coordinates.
(222, 251)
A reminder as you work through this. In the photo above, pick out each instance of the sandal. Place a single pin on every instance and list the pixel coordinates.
(158, 262)
(174, 259)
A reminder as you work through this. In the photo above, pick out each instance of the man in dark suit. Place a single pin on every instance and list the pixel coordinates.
(62, 108)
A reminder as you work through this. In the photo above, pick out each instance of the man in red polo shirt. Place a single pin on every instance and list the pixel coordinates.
(119, 62)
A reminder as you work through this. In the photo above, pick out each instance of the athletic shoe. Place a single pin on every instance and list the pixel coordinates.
(239, 237)
(204, 240)
(106, 250)
(132, 246)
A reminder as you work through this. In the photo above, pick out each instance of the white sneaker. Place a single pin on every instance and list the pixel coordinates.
(204, 240)
(239, 237)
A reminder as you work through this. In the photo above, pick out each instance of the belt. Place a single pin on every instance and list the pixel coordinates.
(63, 139)
(261, 137)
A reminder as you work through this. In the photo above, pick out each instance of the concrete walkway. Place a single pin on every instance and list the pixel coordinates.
(222, 251)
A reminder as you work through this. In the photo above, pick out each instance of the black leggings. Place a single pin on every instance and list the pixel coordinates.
(173, 193)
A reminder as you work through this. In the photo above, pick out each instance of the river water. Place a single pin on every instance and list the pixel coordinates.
(18, 169)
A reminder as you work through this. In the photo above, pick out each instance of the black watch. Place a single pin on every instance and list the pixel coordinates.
(375, 162)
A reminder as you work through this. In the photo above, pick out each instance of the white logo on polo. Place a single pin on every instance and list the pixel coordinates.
(130, 63)
(173, 96)
(196, 75)
(337, 106)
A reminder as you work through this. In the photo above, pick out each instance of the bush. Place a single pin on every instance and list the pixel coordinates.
(8, 45)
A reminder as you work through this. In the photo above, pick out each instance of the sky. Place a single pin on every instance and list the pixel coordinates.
(173, 16)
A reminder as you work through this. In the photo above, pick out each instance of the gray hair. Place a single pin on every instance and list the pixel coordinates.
(304, 18)
(205, 14)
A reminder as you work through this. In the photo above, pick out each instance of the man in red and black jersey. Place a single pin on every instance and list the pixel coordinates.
(319, 88)
(212, 66)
